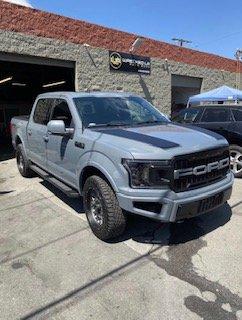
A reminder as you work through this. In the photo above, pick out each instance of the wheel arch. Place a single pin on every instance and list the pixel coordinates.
(91, 170)
(235, 142)
(18, 141)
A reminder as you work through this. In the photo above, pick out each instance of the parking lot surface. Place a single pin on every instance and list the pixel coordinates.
(52, 266)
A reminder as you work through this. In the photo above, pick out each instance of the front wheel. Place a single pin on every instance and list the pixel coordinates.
(236, 160)
(105, 217)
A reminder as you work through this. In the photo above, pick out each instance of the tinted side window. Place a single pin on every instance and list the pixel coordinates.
(215, 115)
(237, 115)
(62, 112)
(189, 115)
(42, 111)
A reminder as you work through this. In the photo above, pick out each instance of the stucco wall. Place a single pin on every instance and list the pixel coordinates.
(155, 87)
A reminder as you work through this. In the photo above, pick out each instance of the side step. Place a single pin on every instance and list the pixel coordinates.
(69, 191)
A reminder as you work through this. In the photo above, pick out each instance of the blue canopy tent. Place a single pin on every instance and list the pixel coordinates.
(223, 93)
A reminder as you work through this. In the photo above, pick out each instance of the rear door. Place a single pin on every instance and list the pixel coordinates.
(235, 129)
(37, 129)
(216, 119)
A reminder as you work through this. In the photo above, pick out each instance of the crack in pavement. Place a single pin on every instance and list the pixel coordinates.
(26, 203)
(6, 256)
(73, 297)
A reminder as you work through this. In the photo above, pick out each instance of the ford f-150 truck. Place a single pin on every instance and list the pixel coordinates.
(122, 156)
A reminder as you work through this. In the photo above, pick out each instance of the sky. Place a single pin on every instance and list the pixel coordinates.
(213, 26)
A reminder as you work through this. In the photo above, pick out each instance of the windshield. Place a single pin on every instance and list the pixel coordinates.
(188, 115)
(132, 110)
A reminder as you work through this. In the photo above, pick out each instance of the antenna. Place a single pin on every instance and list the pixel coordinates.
(181, 41)
(238, 56)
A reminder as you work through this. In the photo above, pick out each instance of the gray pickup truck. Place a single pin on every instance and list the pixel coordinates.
(122, 156)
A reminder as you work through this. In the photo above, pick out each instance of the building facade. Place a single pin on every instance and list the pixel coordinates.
(39, 49)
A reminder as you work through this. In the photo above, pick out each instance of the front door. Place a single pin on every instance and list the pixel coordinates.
(62, 155)
(37, 129)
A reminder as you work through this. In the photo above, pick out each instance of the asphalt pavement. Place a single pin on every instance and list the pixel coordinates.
(52, 266)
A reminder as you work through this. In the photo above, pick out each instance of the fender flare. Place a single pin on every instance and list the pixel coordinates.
(103, 164)
(18, 136)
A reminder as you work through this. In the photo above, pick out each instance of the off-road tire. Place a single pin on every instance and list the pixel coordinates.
(113, 218)
(236, 149)
(23, 163)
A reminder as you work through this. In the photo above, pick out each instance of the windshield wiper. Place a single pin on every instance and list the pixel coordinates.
(117, 124)
(151, 121)
(109, 124)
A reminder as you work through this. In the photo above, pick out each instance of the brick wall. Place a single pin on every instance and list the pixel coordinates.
(35, 22)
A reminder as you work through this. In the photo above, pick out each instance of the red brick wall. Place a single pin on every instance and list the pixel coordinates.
(39, 23)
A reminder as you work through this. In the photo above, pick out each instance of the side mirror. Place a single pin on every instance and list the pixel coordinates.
(58, 127)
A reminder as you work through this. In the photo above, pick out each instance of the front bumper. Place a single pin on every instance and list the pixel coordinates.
(173, 205)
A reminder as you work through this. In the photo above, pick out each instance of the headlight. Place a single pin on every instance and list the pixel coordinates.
(148, 174)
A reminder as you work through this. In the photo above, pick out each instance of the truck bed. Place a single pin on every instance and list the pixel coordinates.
(25, 118)
(19, 124)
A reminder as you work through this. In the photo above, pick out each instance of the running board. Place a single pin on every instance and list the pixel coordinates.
(69, 191)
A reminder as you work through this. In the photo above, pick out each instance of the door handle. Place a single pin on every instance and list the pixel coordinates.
(29, 132)
(46, 139)
(79, 144)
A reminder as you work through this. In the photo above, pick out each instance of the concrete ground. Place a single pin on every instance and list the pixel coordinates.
(52, 267)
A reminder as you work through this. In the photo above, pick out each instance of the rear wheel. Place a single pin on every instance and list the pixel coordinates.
(236, 160)
(22, 162)
(104, 215)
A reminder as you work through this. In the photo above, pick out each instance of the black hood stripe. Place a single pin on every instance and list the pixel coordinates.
(153, 141)
(206, 131)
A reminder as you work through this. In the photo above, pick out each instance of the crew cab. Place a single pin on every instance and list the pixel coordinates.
(223, 119)
(122, 156)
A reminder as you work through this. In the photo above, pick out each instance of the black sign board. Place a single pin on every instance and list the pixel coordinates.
(127, 62)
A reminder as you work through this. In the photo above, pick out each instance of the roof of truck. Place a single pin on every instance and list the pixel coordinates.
(73, 94)
(235, 105)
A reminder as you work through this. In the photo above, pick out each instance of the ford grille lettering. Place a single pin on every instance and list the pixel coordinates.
(203, 169)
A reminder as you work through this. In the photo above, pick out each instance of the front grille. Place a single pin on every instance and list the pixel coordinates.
(197, 159)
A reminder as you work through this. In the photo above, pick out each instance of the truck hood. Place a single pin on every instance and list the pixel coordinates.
(160, 141)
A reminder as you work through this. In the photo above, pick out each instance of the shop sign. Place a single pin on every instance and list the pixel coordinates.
(127, 62)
